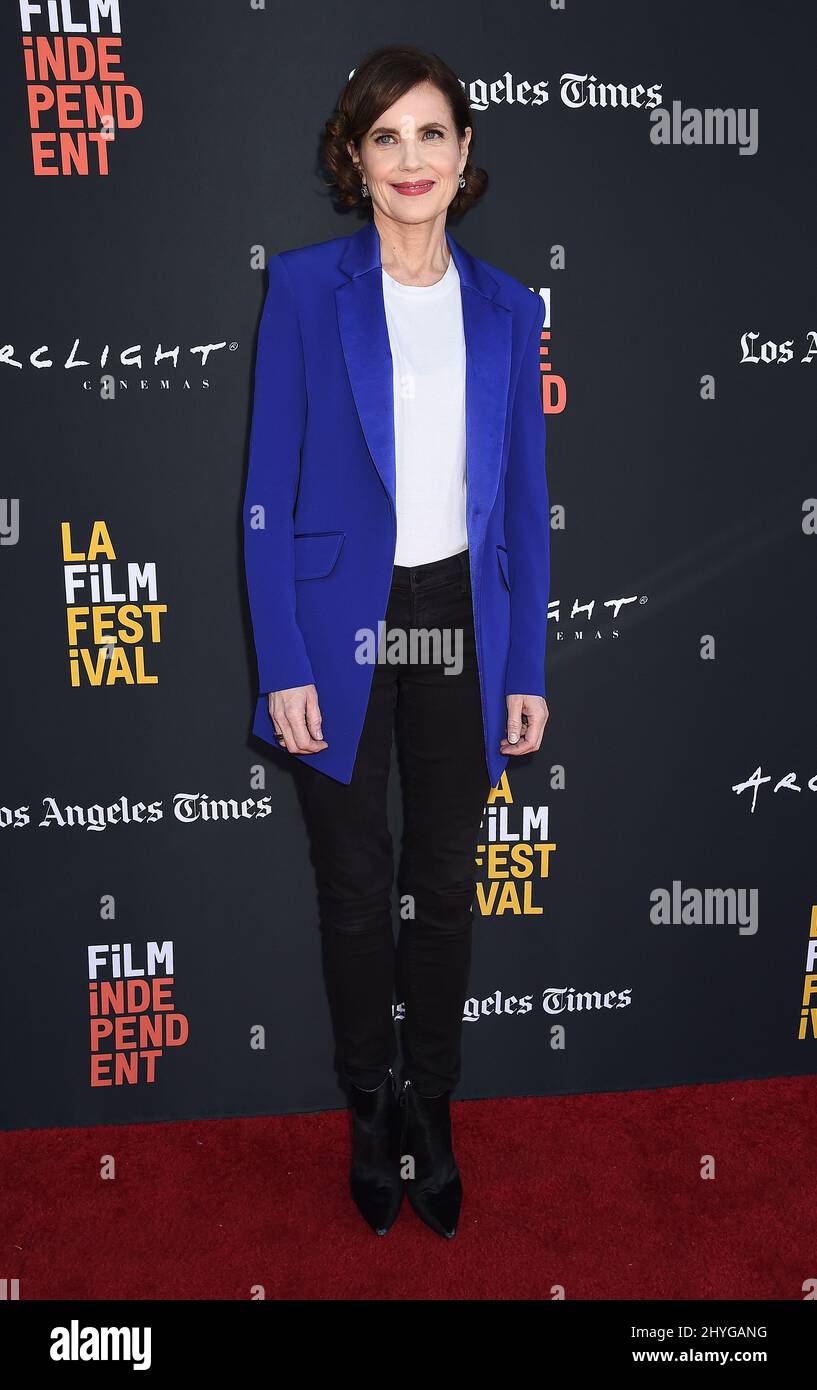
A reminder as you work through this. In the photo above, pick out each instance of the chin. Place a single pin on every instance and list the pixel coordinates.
(415, 209)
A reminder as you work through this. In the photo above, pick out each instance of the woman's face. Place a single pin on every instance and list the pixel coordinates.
(411, 157)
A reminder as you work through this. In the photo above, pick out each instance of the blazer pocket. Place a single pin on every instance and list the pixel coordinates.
(502, 556)
(316, 553)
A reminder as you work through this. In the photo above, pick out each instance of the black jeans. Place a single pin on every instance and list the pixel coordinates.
(436, 714)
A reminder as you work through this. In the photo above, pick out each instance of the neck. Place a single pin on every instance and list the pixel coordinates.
(413, 253)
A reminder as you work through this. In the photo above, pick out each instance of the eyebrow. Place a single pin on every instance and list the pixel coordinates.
(394, 130)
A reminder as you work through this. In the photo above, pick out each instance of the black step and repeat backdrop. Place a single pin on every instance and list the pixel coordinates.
(645, 884)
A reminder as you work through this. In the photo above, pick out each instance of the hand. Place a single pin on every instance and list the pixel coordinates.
(296, 718)
(527, 717)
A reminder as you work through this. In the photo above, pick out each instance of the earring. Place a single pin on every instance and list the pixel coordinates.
(364, 190)
(462, 181)
(363, 185)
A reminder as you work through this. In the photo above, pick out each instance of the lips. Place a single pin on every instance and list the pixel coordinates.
(411, 190)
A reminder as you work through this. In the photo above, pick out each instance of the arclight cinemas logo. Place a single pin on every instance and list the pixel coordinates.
(75, 87)
(589, 618)
(138, 367)
(75, 1343)
(132, 1012)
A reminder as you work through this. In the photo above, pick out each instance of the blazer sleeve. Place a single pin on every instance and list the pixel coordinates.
(276, 435)
(527, 523)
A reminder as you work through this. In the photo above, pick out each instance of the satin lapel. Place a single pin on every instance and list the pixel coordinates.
(366, 349)
(365, 339)
(487, 328)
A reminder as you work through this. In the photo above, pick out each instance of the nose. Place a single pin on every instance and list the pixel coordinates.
(410, 156)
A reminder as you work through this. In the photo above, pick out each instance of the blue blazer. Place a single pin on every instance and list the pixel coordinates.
(319, 508)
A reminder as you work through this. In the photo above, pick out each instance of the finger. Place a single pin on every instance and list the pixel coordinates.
(296, 714)
(515, 750)
(288, 738)
(272, 701)
(273, 714)
(514, 720)
(313, 715)
(535, 727)
(533, 721)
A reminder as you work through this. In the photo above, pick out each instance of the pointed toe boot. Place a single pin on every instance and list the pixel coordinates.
(435, 1191)
(375, 1180)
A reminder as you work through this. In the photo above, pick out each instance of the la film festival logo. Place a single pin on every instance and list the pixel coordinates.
(808, 1010)
(133, 1017)
(113, 618)
(76, 91)
(512, 859)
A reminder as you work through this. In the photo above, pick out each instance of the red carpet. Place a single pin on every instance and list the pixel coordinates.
(600, 1194)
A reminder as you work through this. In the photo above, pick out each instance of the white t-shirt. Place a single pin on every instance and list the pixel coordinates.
(428, 354)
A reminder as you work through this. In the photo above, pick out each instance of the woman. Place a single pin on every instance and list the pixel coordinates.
(396, 546)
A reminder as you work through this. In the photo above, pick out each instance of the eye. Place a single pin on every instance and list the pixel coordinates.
(384, 136)
(435, 132)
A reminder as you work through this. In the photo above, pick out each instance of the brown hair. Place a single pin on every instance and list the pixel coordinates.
(385, 75)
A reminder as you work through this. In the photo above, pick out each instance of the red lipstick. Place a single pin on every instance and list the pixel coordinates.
(412, 190)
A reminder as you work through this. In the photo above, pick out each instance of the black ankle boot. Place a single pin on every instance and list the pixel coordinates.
(375, 1181)
(435, 1192)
